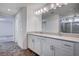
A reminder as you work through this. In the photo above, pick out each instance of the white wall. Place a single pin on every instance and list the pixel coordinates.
(6, 28)
(34, 22)
(20, 28)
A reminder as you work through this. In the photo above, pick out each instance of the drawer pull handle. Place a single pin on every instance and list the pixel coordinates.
(67, 45)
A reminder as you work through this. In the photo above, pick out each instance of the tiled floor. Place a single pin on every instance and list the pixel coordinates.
(12, 49)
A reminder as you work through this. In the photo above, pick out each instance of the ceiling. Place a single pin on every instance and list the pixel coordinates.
(14, 7)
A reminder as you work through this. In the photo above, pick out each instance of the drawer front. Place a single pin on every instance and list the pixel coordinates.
(63, 44)
(63, 52)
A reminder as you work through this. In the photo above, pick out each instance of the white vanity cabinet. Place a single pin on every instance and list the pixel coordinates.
(34, 43)
(37, 44)
(54, 47)
(47, 48)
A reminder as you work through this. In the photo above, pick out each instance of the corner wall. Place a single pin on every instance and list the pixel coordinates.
(20, 28)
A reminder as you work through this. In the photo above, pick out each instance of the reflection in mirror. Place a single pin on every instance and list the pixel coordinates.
(71, 25)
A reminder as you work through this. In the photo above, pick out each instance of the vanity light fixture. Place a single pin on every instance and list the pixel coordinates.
(36, 12)
(41, 10)
(45, 9)
(59, 4)
(51, 6)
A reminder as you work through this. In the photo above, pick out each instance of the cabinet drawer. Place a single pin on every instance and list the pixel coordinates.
(63, 44)
(63, 52)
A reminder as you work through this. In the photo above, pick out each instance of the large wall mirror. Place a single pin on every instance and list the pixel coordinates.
(64, 19)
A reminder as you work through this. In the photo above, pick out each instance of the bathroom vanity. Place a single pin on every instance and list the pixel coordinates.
(53, 44)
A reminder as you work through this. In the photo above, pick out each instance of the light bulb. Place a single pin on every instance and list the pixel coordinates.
(41, 10)
(36, 12)
(52, 5)
(45, 9)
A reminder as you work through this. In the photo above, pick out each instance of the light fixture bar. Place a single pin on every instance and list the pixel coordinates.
(52, 6)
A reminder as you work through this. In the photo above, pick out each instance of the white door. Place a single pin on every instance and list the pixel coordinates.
(47, 47)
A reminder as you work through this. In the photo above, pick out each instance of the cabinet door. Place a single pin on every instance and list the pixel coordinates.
(76, 49)
(30, 42)
(47, 47)
(37, 45)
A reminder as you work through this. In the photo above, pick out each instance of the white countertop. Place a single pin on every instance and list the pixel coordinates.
(61, 37)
